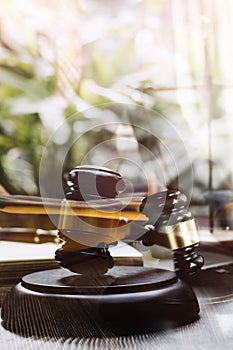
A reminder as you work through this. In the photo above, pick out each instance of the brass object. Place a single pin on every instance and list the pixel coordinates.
(225, 216)
(180, 235)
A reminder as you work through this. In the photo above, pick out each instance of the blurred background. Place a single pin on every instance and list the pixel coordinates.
(173, 57)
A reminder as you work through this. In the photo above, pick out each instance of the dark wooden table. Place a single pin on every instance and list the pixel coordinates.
(213, 330)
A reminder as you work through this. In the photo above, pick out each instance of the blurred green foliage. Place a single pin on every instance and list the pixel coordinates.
(33, 104)
(66, 57)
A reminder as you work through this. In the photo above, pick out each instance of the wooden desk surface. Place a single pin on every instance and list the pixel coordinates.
(213, 330)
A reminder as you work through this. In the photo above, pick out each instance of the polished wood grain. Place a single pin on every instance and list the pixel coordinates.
(212, 331)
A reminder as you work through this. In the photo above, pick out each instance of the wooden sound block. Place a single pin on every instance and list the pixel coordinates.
(127, 300)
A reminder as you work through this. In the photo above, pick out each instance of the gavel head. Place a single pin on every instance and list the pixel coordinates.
(92, 182)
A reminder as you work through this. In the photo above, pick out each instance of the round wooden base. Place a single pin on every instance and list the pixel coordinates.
(127, 300)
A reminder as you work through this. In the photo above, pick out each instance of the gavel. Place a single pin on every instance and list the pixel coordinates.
(97, 297)
(108, 214)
